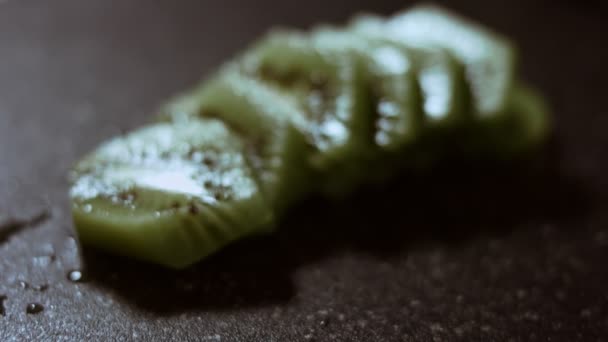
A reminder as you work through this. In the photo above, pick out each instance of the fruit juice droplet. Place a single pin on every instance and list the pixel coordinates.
(75, 276)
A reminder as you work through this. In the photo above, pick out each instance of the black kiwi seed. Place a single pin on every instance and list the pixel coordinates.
(208, 161)
(221, 195)
(127, 196)
(193, 209)
(195, 155)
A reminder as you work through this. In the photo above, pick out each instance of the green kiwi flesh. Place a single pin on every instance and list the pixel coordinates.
(331, 91)
(489, 58)
(269, 123)
(168, 193)
(329, 88)
(522, 129)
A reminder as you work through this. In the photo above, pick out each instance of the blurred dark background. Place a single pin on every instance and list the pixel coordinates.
(466, 252)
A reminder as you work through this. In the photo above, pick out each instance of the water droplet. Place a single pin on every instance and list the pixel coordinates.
(34, 308)
(324, 322)
(87, 208)
(75, 276)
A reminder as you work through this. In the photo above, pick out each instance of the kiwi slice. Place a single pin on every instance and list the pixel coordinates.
(444, 95)
(489, 58)
(440, 76)
(397, 106)
(270, 124)
(330, 87)
(391, 80)
(169, 193)
(298, 113)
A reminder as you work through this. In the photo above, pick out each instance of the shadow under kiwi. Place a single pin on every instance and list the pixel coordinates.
(455, 201)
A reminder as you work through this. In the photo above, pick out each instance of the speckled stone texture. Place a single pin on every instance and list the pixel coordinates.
(465, 253)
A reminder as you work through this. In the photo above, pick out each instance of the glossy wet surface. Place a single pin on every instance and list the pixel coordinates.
(465, 253)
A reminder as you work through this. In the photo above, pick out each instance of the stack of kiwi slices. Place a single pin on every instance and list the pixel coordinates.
(324, 111)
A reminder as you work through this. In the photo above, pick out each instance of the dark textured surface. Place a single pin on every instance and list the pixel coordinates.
(491, 254)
